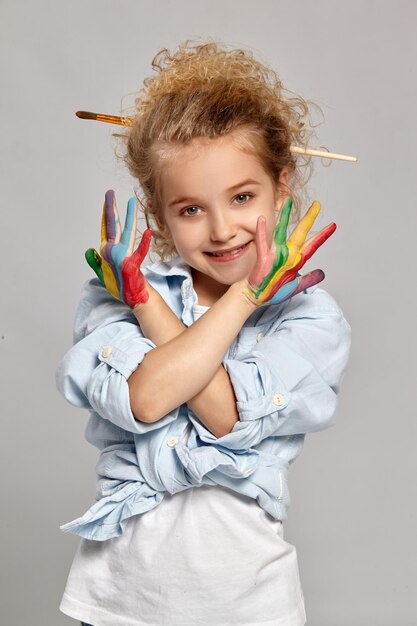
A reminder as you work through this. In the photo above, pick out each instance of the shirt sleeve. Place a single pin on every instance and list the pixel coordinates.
(109, 346)
(287, 384)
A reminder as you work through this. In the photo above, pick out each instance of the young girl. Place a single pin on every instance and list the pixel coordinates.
(204, 371)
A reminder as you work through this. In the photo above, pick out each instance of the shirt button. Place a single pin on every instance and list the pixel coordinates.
(278, 399)
(248, 471)
(106, 352)
(172, 441)
(259, 336)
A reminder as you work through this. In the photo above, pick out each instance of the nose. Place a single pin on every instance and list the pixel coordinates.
(222, 226)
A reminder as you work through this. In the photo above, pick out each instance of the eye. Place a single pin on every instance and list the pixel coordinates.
(190, 211)
(242, 198)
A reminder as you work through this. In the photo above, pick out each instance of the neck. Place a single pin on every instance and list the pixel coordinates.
(208, 290)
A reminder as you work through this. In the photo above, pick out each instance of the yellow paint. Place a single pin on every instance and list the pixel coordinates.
(294, 244)
(109, 279)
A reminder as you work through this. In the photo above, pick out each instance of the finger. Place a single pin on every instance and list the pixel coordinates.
(260, 237)
(308, 280)
(135, 290)
(142, 249)
(316, 241)
(129, 230)
(295, 286)
(299, 235)
(103, 271)
(288, 262)
(94, 261)
(110, 235)
(278, 282)
(285, 292)
(110, 281)
(263, 264)
(280, 235)
(294, 262)
(112, 218)
(297, 258)
(103, 226)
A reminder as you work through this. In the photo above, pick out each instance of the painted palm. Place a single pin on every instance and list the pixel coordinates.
(275, 276)
(118, 267)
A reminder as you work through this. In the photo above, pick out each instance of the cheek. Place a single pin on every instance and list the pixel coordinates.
(186, 239)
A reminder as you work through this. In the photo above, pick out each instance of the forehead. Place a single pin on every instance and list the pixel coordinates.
(220, 160)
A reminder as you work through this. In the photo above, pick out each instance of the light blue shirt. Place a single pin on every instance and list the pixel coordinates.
(285, 365)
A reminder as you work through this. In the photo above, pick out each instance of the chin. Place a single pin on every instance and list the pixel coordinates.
(232, 277)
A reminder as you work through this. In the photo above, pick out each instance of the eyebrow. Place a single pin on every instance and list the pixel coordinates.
(247, 181)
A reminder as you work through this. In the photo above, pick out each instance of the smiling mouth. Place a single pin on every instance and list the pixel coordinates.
(230, 252)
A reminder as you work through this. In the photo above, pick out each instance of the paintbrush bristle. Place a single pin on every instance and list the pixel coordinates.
(86, 115)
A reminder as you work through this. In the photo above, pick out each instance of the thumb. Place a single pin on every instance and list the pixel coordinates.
(94, 261)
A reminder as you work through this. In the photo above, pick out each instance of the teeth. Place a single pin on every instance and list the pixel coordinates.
(227, 253)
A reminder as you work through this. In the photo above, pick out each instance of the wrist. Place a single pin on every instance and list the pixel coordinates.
(241, 290)
(140, 307)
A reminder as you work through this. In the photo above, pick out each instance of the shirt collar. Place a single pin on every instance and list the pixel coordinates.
(177, 267)
(173, 267)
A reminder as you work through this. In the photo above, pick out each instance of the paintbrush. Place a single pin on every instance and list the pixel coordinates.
(127, 121)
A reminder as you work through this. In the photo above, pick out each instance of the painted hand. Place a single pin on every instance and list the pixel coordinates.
(117, 268)
(275, 275)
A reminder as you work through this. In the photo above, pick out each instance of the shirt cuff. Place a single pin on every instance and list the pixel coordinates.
(257, 395)
(108, 390)
(120, 360)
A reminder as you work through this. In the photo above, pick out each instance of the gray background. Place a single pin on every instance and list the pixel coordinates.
(353, 513)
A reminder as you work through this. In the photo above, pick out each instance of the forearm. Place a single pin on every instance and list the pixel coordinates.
(157, 321)
(188, 366)
(215, 405)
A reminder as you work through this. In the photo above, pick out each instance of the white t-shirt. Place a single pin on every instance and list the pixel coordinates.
(206, 556)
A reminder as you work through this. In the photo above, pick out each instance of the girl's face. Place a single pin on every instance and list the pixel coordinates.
(212, 194)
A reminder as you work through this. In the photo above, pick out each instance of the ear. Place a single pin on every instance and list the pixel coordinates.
(282, 190)
(162, 227)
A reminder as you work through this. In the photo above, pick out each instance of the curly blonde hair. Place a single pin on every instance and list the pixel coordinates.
(207, 90)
